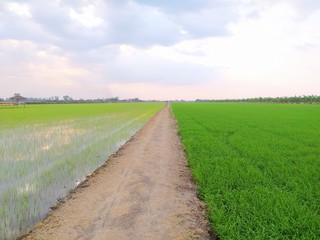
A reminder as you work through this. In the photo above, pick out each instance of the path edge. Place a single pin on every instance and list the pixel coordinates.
(201, 205)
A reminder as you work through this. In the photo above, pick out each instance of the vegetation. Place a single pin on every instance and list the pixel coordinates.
(295, 99)
(66, 99)
(47, 149)
(257, 167)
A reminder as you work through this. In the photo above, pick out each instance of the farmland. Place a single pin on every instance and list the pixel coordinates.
(257, 167)
(46, 150)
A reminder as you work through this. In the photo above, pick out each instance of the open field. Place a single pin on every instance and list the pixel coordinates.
(46, 150)
(257, 167)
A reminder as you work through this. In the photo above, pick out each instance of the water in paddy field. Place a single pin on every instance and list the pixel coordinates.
(40, 163)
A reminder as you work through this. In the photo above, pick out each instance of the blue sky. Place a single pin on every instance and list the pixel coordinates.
(184, 49)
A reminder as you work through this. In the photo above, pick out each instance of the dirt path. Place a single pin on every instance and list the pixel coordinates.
(144, 191)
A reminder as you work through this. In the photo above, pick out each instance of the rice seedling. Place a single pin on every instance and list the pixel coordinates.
(46, 154)
(257, 167)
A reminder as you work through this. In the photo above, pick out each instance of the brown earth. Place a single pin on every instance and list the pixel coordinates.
(144, 191)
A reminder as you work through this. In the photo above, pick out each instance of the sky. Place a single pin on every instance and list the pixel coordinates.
(153, 49)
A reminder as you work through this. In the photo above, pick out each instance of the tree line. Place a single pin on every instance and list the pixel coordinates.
(68, 99)
(296, 99)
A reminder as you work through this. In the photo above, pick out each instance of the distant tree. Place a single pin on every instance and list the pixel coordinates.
(294, 99)
(17, 98)
(66, 98)
(134, 100)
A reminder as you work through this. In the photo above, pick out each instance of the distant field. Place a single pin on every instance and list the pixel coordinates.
(54, 112)
(257, 167)
(45, 150)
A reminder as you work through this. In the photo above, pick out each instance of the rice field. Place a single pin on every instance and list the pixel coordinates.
(257, 167)
(47, 150)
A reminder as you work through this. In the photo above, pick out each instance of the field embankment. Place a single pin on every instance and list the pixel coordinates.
(257, 167)
(46, 150)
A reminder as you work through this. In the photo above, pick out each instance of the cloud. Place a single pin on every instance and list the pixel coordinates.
(86, 16)
(177, 6)
(145, 68)
(21, 9)
(141, 26)
(86, 25)
(78, 47)
(26, 66)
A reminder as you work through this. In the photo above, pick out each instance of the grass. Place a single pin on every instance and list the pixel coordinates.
(46, 149)
(257, 167)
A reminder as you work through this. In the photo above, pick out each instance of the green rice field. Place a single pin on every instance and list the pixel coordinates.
(257, 167)
(47, 150)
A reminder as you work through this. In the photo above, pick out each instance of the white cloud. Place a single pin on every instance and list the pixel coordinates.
(38, 71)
(21, 9)
(86, 16)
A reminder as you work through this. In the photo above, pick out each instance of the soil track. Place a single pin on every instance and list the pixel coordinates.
(144, 191)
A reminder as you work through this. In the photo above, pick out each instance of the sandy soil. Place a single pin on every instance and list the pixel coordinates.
(144, 191)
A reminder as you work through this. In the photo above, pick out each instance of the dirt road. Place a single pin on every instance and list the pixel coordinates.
(144, 191)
